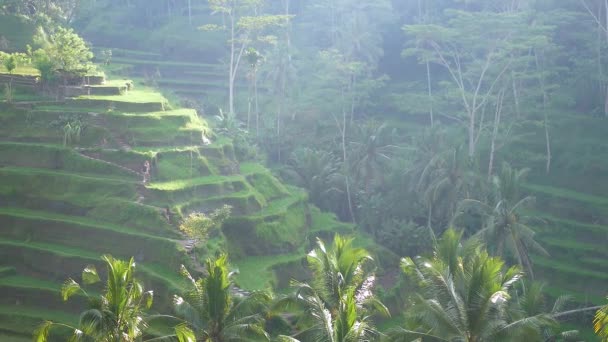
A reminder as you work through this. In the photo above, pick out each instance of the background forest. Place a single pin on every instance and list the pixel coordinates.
(475, 129)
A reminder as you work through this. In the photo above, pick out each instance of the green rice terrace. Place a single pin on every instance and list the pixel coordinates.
(303, 171)
(63, 205)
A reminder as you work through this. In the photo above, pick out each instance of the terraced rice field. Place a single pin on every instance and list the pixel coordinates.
(64, 205)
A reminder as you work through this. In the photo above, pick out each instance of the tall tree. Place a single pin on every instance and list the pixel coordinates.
(477, 49)
(211, 312)
(464, 294)
(506, 230)
(337, 305)
(245, 25)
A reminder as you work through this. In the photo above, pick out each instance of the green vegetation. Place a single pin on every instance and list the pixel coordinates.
(466, 137)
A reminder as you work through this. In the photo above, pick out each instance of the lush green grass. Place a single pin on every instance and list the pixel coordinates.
(48, 156)
(24, 70)
(573, 227)
(34, 172)
(23, 319)
(180, 184)
(134, 96)
(575, 296)
(572, 269)
(327, 222)
(79, 258)
(568, 194)
(571, 245)
(178, 64)
(280, 206)
(255, 272)
(192, 83)
(75, 220)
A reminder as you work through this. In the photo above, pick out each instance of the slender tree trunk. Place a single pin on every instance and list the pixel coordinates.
(472, 137)
(428, 80)
(280, 109)
(353, 96)
(249, 100)
(190, 12)
(255, 103)
(497, 114)
(541, 81)
(231, 72)
(345, 163)
(515, 96)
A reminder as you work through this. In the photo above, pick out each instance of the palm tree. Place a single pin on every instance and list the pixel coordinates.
(464, 295)
(339, 270)
(447, 177)
(212, 313)
(505, 228)
(317, 172)
(336, 307)
(534, 302)
(344, 324)
(600, 323)
(371, 150)
(117, 315)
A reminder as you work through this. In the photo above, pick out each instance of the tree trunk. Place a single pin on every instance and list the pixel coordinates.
(472, 134)
(190, 12)
(255, 103)
(515, 97)
(541, 80)
(345, 163)
(231, 71)
(497, 114)
(428, 80)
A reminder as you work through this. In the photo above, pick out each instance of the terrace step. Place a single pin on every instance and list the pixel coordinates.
(58, 157)
(23, 290)
(201, 188)
(88, 177)
(77, 232)
(7, 271)
(84, 154)
(22, 320)
(567, 194)
(570, 275)
(56, 262)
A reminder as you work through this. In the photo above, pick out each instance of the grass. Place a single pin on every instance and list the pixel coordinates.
(192, 83)
(133, 96)
(562, 267)
(84, 257)
(30, 283)
(255, 272)
(179, 64)
(325, 221)
(23, 319)
(280, 206)
(575, 246)
(78, 221)
(181, 184)
(67, 176)
(22, 70)
(568, 194)
(575, 226)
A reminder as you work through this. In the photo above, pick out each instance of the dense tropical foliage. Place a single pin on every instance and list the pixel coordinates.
(434, 130)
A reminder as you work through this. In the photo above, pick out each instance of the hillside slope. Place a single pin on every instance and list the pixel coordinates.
(64, 202)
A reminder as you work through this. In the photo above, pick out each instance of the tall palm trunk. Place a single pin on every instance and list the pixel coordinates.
(541, 81)
(231, 72)
(496, 125)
